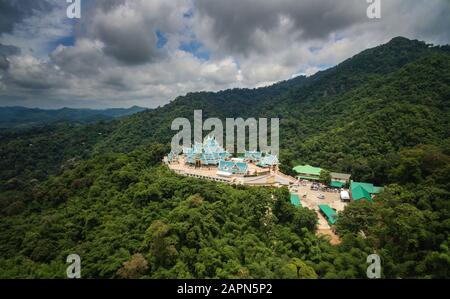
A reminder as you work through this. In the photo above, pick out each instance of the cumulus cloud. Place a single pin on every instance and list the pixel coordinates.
(13, 12)
(5, 52)
(126, 35)
(147, 52)
(31, 73)
(246, 26)
(129, 29)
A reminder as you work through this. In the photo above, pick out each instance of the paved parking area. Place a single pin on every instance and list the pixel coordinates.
(312, 201)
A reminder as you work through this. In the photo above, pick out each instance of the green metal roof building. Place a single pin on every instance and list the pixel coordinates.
(359, 193)
(377, 190)
(307, 172)
(330, 214)
(364, 190)
(336, 184)
(295, 200)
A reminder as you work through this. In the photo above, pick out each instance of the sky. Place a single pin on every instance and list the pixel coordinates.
(122, 53)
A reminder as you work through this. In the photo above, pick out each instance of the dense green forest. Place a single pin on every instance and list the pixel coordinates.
(100, 190)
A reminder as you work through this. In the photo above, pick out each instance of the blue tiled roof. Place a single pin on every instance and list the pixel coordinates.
(210, 152)
(233, 167)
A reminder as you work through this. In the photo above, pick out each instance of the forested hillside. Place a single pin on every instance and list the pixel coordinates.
(348, 118)
(99, 190)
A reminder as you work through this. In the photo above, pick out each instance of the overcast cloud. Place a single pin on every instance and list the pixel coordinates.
(147, 52)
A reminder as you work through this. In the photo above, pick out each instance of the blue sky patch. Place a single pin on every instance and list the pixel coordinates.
(67, 41)
(162, 39)
(189, 14)
(315, 49)
(196, 48)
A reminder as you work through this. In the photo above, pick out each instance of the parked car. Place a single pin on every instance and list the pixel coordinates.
(315, 186)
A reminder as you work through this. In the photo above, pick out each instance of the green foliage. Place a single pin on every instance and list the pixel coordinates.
(325, 177)
(155, 225)
(133, 268)
(99, 190)
(298, 269)
(409, 223)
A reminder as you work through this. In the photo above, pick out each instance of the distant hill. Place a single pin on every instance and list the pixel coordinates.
(21, 117)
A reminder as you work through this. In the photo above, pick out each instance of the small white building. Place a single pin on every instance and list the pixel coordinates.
(345, 196)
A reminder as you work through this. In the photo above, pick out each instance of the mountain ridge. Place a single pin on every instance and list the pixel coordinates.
(18, 117)
(295, 102)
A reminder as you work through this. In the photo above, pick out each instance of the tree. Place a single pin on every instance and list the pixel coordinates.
(357, 217)
(133, 268)
(283, 209)
(160, 243)
(195, 200)
(304, 218)
(44, 251)
(325, 177)
(144, 193)
(297, 268)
